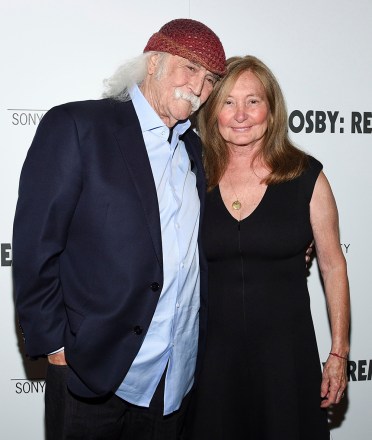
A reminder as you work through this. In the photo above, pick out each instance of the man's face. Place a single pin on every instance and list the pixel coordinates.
(178, 89)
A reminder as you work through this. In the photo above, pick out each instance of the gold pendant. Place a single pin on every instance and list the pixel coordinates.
(236, 205)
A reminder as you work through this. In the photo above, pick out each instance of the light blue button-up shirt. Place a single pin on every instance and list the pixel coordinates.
(172, 337)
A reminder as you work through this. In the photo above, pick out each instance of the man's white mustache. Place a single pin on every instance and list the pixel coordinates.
(194, 100)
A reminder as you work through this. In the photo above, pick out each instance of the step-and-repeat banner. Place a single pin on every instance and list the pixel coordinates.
(320, 51)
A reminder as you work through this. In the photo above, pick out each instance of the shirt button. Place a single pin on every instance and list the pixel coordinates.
(177, 305)
(137, 330)
(155, 287)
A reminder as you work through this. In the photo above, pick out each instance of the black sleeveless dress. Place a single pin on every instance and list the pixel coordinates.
(261, 372)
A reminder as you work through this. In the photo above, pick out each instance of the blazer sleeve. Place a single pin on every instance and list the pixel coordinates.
(49, 188)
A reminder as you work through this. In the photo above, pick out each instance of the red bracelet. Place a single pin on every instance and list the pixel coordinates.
(337, 355)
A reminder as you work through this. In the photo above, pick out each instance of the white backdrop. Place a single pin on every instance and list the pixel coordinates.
(320, 51)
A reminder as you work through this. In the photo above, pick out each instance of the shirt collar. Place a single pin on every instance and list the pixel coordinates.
(148, 118)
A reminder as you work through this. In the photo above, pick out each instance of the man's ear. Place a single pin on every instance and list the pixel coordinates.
(152, 64)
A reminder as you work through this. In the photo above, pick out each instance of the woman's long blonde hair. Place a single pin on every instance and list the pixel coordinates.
(284, 160)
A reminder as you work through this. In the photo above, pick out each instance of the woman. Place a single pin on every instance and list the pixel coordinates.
(267, 201)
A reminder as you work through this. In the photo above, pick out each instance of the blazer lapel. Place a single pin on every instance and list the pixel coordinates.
(135, 156)
(197, 167)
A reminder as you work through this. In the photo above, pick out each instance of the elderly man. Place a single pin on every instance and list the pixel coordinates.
(109, 280)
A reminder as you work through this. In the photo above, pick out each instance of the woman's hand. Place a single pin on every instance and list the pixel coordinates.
(334, 381)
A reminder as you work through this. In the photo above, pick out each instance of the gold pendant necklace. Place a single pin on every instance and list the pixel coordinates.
(236, 204)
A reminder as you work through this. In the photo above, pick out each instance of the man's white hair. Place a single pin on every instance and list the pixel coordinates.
(130, 73)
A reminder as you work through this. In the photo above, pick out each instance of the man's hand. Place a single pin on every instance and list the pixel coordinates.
(308, 253)
(57, 358)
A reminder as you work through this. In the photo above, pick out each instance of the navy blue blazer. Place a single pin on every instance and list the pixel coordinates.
(87, 253)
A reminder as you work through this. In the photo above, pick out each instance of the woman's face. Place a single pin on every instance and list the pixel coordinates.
(242, 120)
